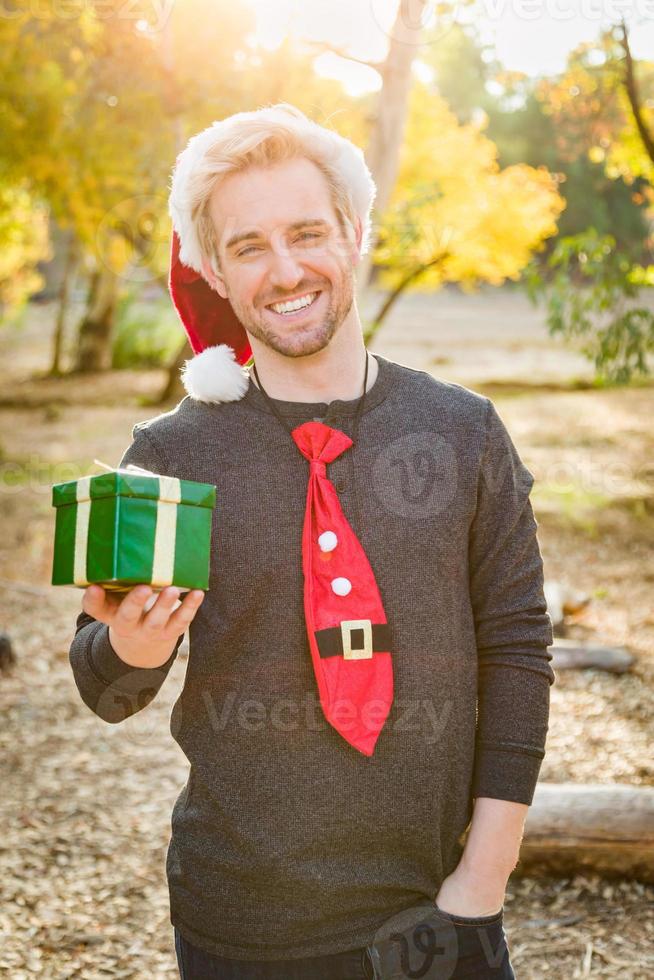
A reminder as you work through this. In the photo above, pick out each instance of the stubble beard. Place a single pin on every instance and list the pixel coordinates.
(303, 339)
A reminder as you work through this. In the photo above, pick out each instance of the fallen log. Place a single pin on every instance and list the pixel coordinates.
(604, 828)
(573, 655)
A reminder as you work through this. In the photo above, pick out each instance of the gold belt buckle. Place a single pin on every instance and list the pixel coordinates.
(360, 653)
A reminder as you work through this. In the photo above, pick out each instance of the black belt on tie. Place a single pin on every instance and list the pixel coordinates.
(330, 641)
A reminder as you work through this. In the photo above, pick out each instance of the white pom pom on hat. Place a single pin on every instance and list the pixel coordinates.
(214, 375)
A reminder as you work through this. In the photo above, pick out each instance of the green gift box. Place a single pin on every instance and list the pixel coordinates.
(129, 527)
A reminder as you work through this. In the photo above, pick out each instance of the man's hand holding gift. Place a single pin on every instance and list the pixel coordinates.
(143, 634)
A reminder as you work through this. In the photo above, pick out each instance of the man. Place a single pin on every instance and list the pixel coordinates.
(302, 828)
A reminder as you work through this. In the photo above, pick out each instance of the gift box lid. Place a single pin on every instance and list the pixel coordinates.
(133, 481)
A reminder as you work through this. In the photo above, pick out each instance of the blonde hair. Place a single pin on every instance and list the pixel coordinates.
(263, 137)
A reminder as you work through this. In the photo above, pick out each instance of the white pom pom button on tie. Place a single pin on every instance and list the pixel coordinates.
(327, 541)
(341, 586)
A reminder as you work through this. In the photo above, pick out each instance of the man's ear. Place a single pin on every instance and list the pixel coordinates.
(356, 244)
(216, 282)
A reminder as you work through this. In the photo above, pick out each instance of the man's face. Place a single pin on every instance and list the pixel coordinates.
(281, 259)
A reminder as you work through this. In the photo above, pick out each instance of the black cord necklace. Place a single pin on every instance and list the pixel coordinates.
(357, 413)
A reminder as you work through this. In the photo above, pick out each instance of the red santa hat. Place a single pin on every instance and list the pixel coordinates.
(215, 373)
(218, 339)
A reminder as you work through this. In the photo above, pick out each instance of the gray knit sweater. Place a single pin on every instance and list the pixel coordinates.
(286, 841)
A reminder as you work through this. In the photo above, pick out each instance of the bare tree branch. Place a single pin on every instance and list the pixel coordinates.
(395, 293)
(633, 94)
(324, 47)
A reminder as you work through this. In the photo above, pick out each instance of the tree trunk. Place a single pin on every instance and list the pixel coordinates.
(605, 828)
(95, 330)
(391, 298)
(635, 102)
(64, 295)
(174, 389)
(383, 151)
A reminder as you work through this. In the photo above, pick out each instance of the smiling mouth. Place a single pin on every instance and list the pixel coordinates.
(296, 314)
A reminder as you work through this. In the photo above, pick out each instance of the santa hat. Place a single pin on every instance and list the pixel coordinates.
(215, 373)
(218, 339)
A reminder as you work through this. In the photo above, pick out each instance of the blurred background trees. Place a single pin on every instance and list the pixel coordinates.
(485, 175)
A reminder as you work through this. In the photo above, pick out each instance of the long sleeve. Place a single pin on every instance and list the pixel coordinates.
(512, 625)
(112, 689)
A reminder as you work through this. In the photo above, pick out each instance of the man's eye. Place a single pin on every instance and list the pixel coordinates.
(305, 234)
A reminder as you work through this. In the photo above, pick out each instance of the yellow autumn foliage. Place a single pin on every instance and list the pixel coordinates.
(23, 243)
(453, 206)
(592, 111)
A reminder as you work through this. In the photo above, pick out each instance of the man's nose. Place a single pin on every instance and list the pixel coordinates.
(285, 271)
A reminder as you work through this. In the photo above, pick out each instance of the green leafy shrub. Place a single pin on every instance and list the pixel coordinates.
(592, 291)
(147, 333)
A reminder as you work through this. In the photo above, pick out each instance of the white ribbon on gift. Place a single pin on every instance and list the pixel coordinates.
(163, 563)
(82, 491)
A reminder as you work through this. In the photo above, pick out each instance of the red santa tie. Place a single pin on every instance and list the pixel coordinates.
(349, 636)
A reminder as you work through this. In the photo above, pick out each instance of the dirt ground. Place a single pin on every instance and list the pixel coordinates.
(86, 806)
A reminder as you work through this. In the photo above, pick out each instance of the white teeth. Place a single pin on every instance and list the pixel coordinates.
(296, 304)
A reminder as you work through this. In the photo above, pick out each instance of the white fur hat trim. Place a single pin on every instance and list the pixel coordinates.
(341, 150)
(215, 375)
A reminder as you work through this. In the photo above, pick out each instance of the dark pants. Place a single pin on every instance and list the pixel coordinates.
(482, 953)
